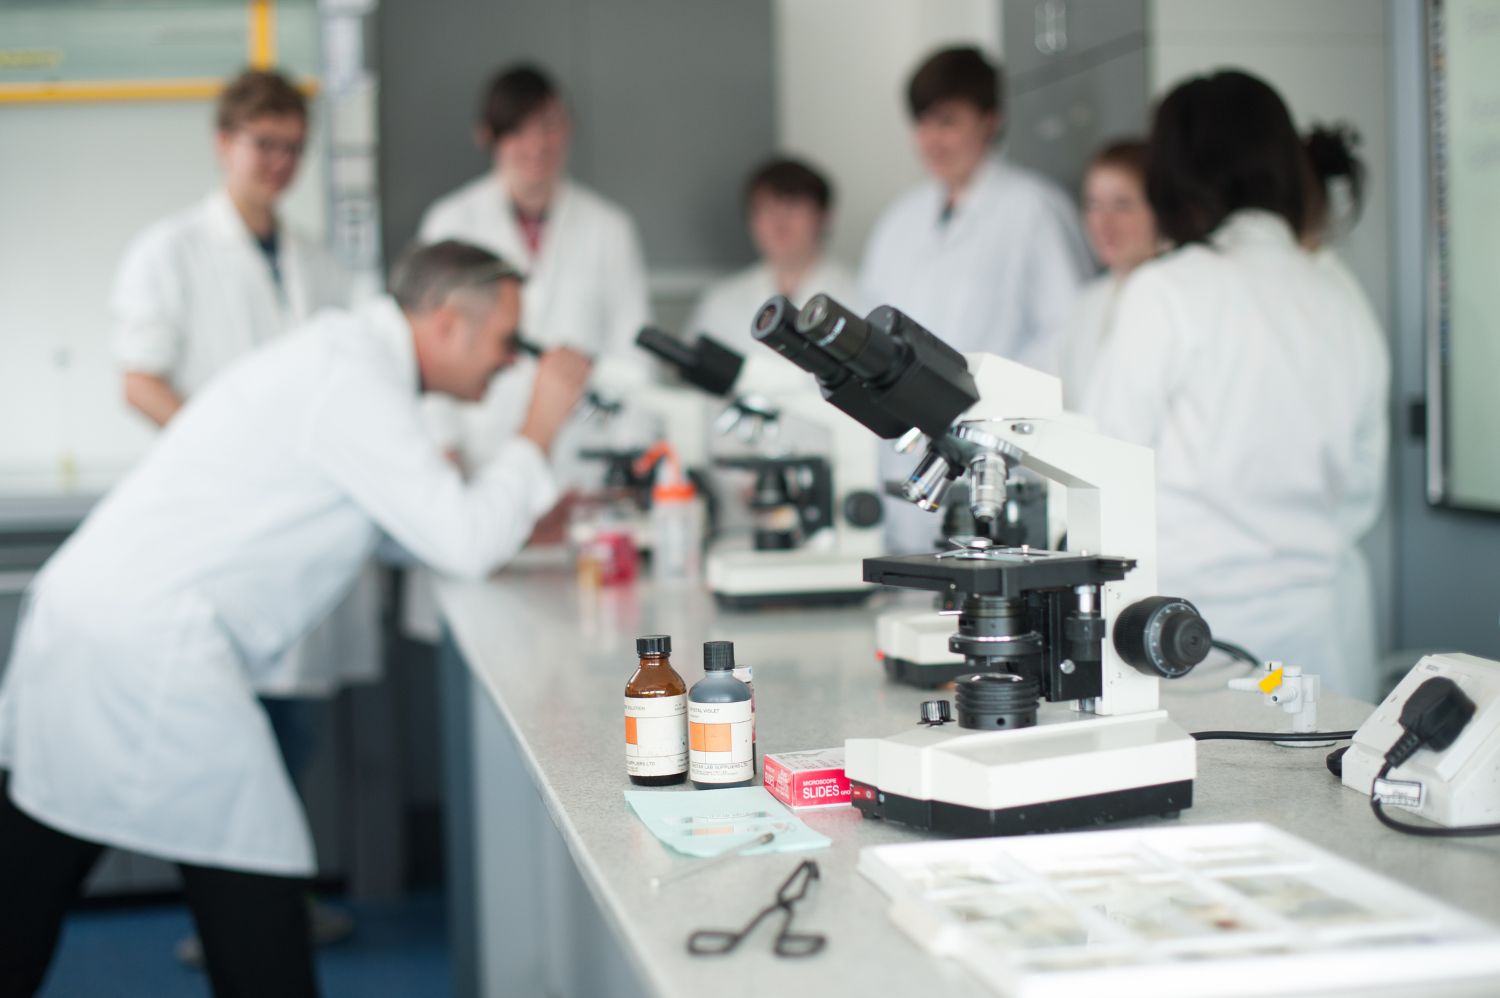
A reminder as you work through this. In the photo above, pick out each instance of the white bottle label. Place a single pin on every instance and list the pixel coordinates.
(655, 735)
(719, 742)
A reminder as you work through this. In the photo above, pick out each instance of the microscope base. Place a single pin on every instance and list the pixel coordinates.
(747, 580)
(761, 601)
(1165, 800)
(912, 645)
(1070, 770)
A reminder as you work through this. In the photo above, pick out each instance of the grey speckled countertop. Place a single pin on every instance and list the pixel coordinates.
(556, 659)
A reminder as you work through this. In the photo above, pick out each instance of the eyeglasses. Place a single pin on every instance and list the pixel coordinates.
(266, 145)
(717, 942)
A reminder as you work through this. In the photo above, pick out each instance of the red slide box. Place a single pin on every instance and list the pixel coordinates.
(808, 779)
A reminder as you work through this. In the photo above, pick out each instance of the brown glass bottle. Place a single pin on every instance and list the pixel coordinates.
(656, 731)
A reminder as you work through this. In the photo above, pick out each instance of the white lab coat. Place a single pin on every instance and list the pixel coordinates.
(1083, 337)
(1259, 375)
(727, 309)
(128, 714)
(1000, 276)
(585, 289)
(194, 294)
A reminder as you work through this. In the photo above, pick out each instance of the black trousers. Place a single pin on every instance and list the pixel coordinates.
(253, 926)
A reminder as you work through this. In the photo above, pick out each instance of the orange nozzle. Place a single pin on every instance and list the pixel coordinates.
(678, 488)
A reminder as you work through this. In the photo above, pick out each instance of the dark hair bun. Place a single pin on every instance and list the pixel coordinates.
(1332, 151)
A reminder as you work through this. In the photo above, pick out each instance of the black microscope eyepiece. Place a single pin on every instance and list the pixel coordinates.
(775, 325)
(869, 352)
(525, 344)
(705, 363)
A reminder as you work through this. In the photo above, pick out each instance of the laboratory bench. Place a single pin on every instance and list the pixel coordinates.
(549, 869)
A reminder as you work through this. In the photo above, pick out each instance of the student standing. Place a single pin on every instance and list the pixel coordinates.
(788, 211)
(1261, 384)
(585, 273)
(1122, 233)
(985, 254)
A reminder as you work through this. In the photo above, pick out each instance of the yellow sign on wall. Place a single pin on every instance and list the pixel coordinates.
(148, 51)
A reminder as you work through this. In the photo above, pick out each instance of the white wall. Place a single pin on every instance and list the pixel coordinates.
(76, 182)
(1330, 62)
(841, 71)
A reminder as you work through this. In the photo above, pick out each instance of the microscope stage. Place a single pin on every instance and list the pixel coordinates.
(1005, 572)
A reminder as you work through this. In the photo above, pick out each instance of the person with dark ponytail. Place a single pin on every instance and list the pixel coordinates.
(1259, 382)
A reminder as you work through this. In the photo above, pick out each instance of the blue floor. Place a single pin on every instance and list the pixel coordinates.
(398, 948)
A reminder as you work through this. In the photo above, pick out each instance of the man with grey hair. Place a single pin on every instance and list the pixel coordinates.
(128, 717)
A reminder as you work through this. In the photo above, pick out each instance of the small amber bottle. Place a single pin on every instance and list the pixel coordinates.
(656, 731)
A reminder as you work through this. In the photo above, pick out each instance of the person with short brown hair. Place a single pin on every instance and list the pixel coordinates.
(201, 288)
(788, 211)
(586, 273)
(985, 254)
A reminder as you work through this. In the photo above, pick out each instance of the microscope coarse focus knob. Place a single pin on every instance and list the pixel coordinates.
(863, 509)
(936, 712)
(1162, 635)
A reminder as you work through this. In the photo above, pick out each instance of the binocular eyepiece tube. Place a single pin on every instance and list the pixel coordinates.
(776, 326)
(884, 370)
(869, 353)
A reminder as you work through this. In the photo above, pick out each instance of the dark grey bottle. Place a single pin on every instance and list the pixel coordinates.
(720, 726)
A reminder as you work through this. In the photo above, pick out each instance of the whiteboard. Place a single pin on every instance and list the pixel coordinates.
(1463, 361)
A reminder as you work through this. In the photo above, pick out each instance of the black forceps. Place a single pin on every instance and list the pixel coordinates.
(716, 942)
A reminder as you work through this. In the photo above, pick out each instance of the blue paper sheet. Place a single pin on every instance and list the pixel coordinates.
(709, 822)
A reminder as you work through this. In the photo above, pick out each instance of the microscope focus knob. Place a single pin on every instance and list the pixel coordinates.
(863, 509)
(1162, 635)
(936, 712)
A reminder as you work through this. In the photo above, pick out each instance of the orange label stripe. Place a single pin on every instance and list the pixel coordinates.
(709, 737)
(630, 736)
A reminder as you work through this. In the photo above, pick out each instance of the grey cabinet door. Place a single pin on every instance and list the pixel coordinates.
(673, 104)
(1042, 34)
(1077, 78)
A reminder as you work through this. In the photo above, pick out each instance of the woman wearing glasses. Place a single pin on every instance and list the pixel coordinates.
(199, 290)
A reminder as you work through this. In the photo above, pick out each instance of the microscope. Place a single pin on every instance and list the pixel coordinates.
(1057, 719)
(615, 423)
(814, 512)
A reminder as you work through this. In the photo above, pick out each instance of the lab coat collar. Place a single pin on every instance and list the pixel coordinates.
(815, 280)
(555, 216)
(1253, 226)
(389, 325)
(225, 218)
(988, 176)
(290, 295)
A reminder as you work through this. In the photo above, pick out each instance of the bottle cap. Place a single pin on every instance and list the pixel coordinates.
(654, 644)
(674, 492)
(718, 656)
